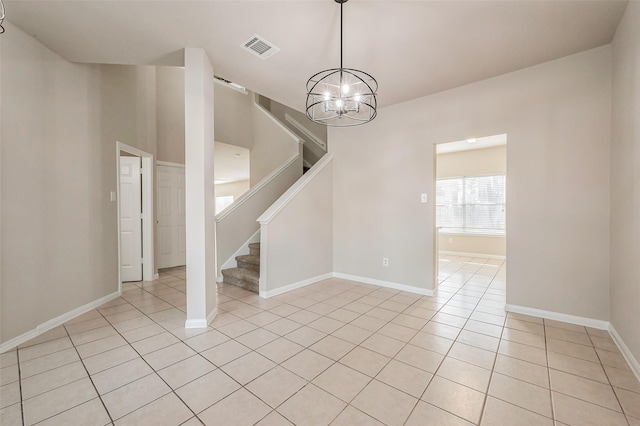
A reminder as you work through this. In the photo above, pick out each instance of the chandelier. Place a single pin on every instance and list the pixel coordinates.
(341, 97)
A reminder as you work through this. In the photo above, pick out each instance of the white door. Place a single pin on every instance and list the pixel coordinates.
(171, 217)
(130, 219)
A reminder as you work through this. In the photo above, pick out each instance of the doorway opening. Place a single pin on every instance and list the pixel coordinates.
(470, 205)
(134, 174)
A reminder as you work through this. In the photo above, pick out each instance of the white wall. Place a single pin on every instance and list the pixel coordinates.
(625, 181)
(557, 117)
(199, 188)
(59, 128)
(475, 162)
(170, 114)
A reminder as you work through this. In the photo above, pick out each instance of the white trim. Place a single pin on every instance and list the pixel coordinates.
(257, 187)
(558, 316)
(290, 193)
(387, 284)
(53, 323)
(295, 123)
(148, 253)
(212, 315)
(277, 122)
(170, 164)
(237, 87)
(461, 253)
(156, 276)
(631, 360)
(201, 323)
(472, 234)
(244, 249)
(262, 279)
(299, 284)
(195, 323)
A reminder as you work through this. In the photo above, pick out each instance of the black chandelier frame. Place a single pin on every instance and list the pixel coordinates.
(338, 108)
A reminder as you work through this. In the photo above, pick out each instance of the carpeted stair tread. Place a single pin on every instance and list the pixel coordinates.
(247, 274)
(254, 249)
(242, 277)
(249, 258)
(242, 273)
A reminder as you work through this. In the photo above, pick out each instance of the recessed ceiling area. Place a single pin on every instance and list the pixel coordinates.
(412, 48)
(231, 163)
(471, 143)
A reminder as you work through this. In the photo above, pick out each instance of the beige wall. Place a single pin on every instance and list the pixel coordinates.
(59, 128)
(170, 114)
(297, 241)
(234, 188)
(233, 117)
(279, 111)
(475, 162)
(473, 244)
(625, 181)
(272, 145)
(312, 152)
(557, 118)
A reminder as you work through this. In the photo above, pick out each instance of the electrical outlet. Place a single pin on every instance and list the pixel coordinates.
(450, 240)
(423, 198)
(385, 261)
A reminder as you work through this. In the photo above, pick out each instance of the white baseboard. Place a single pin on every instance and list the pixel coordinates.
(482, 255)
(53, 323)
(195, 323)
(299, 284)
(631, 360)
(156, 276)
(557, 316)
(201, 323)
(388, 284)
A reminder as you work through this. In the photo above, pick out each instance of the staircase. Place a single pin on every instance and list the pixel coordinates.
(247, 274)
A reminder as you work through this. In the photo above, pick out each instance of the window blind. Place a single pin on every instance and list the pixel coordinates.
(473, 204)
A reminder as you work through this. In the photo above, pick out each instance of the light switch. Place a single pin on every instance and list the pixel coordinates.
(113, 195)
(423, 198)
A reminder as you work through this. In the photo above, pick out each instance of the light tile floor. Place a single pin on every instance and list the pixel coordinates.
(336, 352)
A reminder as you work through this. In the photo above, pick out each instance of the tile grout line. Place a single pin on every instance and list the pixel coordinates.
(449, 350)
(88, 375)
(20, 384)
(153, 372)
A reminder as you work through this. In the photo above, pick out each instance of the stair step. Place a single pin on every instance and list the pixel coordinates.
(249, 261)
(241, 277)
(254, 249)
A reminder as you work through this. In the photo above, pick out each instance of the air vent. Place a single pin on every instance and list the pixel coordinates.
(259, 47)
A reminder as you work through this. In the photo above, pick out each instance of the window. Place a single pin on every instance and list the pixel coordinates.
(471, 204)
(223, 202)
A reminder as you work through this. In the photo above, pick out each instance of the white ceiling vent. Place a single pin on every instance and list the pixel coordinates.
(259, 46)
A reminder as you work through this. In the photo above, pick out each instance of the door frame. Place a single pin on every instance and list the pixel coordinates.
(148, 247)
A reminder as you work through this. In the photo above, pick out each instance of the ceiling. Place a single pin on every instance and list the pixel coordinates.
(413, 48)
(231, 163)
(471, 143)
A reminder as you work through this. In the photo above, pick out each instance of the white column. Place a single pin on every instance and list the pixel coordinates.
(199, 195)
